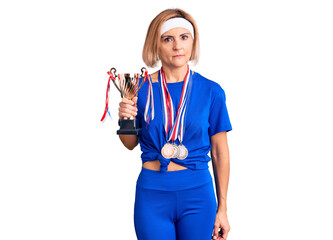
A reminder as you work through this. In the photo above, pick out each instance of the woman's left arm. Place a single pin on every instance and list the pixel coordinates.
(221, 168)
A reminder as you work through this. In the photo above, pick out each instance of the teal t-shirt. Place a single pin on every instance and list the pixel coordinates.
(206, 115)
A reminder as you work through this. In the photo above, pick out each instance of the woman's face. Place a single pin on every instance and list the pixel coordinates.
(175, 47)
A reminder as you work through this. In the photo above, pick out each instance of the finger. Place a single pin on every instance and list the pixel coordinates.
(133, 107)
(127, 106)
(215, 233)
(217, 238)
(224, 235)
(126, 100)
(135, 100)
(218, 234)
(126, 111)
(125, 115)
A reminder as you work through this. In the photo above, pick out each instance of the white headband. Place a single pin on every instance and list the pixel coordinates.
(175, 23)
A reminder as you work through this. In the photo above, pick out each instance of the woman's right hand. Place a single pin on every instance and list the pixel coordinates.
(127, 108)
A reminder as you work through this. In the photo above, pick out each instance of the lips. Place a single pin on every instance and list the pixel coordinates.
(178, 56)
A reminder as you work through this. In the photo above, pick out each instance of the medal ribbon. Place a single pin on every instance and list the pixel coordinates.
(173, 126)
(106, 110)
(149, 110)
(182, 126)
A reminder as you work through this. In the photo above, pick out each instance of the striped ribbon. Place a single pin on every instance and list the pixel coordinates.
(149, 109)
(106, 110)
(174, 126)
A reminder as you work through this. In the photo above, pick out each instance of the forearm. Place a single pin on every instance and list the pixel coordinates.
(221, 168)
(128, 109)
(129, 141)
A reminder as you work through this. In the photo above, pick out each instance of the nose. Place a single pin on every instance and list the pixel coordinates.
(177, 45)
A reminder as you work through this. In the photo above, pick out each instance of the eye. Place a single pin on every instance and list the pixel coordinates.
(167, 39)
(184, 37)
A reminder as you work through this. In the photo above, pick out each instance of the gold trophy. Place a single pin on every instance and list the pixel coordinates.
(128, 87)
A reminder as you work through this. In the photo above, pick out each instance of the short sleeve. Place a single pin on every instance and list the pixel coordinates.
(218, 116)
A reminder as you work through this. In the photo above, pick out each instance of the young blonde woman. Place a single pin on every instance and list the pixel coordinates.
(183, 117)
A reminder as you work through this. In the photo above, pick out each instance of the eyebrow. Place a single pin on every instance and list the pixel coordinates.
(173, 36)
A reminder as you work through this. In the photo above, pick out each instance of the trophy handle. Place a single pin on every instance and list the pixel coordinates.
(143, 71)
(114, 71)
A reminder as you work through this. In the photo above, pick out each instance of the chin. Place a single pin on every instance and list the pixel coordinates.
(176, 63)
(179, 63)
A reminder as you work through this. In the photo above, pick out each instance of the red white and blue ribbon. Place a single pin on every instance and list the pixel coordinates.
(107, 96)
(149, 109)
(174, 126)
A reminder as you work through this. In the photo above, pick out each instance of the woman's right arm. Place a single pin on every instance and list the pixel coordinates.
(128, 109)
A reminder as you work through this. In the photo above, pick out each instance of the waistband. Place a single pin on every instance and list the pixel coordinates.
(173, 180)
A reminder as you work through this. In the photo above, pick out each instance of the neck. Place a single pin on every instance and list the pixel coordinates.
(174, 75)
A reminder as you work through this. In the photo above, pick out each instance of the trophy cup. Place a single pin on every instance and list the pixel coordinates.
(128, 87)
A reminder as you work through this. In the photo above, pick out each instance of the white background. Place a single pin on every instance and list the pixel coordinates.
(66, 175)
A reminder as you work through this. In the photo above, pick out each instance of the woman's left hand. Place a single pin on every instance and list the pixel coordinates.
(221, 226)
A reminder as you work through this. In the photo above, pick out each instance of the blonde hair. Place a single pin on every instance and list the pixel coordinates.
(150, 47)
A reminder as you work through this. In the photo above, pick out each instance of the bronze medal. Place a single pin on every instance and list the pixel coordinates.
(168, 150)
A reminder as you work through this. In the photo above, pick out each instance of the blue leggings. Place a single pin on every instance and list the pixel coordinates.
(175, 205)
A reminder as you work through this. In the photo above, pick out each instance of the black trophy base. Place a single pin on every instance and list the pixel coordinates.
(128, 127)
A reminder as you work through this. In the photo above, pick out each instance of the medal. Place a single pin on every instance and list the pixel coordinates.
(183, 152)
(168, 150)
(174, 122)
(176, 151)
